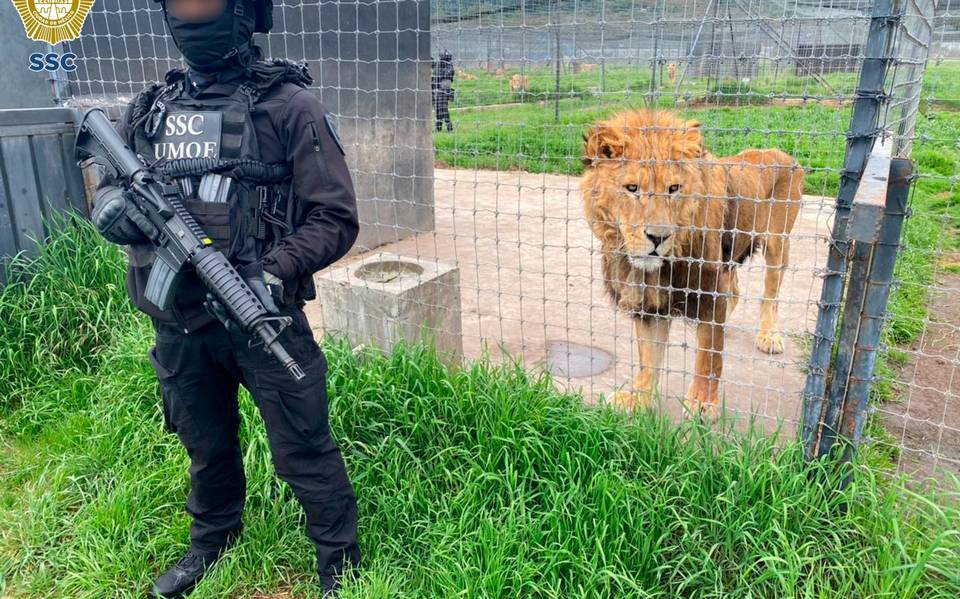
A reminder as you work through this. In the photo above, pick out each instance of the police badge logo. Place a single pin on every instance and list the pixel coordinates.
(53, 21)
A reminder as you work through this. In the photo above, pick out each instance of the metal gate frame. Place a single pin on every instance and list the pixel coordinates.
(39, 177)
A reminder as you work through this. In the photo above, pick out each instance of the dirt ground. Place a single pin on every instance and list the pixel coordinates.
(531, 287)
(926, 423)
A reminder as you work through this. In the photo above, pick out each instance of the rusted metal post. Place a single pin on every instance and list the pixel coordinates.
(863, 131)
(856, 288)
(867, 214)
(879, 281)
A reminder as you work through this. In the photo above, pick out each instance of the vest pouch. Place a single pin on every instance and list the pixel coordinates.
(215, 220)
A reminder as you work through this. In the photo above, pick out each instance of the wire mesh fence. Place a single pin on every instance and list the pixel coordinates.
(470, 175)
(918, 403)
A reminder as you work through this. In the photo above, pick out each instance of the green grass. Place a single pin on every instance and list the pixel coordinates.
(941, 86)
(488, 89)
(736, 115)
(484, 482)
(929, 234)
(633, 82)
(527, 137)
(54, 318)
(931, 229)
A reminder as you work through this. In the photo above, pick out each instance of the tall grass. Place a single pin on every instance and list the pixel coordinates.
(59, 308)
(483, 482)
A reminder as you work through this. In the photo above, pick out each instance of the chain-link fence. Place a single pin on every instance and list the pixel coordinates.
(481, 225)
(918, 402)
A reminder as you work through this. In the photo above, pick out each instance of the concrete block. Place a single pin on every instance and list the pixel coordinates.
(385, 298)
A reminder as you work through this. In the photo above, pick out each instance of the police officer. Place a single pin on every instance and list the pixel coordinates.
(442, 88)
(262, 170)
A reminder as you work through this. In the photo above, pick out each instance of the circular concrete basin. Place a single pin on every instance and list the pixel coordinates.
(388, 270)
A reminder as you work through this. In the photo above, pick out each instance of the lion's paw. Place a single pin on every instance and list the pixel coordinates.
(706, 412)
(631, 400)
(770, 342)
(703, 397)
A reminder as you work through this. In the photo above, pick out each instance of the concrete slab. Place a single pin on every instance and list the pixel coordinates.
(530, 277)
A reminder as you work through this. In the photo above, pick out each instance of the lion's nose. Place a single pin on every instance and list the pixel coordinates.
(656, 239)
(657, 235)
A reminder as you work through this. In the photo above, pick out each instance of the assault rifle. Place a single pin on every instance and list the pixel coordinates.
(179, 240)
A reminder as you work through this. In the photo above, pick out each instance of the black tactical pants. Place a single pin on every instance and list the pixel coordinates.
(199, 375)
(441, 105)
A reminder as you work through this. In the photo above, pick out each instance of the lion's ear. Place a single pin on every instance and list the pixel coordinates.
(601, 142)
(689, 143)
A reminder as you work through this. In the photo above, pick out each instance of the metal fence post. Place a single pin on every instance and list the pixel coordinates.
(856, 290)
(871, 319)
(863, 131)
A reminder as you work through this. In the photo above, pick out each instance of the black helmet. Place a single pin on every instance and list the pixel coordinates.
(262, 10)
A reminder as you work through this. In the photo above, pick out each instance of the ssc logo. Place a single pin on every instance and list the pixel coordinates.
(53, 21)
(53, 61)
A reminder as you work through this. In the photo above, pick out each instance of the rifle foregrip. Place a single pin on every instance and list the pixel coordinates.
(233, 292)
(244, 306)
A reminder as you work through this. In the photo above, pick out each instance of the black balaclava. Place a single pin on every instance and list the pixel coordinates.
(224, 43)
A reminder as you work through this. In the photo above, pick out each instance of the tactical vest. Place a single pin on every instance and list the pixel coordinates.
(209, 148)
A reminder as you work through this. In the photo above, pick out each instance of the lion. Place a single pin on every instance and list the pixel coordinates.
(519, 83)
(674, 223)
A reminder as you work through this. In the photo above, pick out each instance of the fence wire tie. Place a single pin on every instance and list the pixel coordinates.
(835, 244)
(866, 94)
(873, 133)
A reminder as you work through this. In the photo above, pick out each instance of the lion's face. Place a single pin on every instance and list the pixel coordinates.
(642, 184)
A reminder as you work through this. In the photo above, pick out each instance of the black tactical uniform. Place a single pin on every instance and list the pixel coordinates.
(442, 88)
(289, 211)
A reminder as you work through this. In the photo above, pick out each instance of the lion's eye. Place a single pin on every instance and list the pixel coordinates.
(631, 188)
(674, 189)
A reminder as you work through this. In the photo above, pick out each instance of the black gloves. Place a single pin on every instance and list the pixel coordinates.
(274, 285)
(262, 289)
(259, 287)
(118, 219)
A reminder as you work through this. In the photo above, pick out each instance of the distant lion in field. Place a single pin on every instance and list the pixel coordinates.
(672, 72)
(519, 83)
(674, 223)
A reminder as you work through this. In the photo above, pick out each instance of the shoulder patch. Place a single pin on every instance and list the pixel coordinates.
(332, 128)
